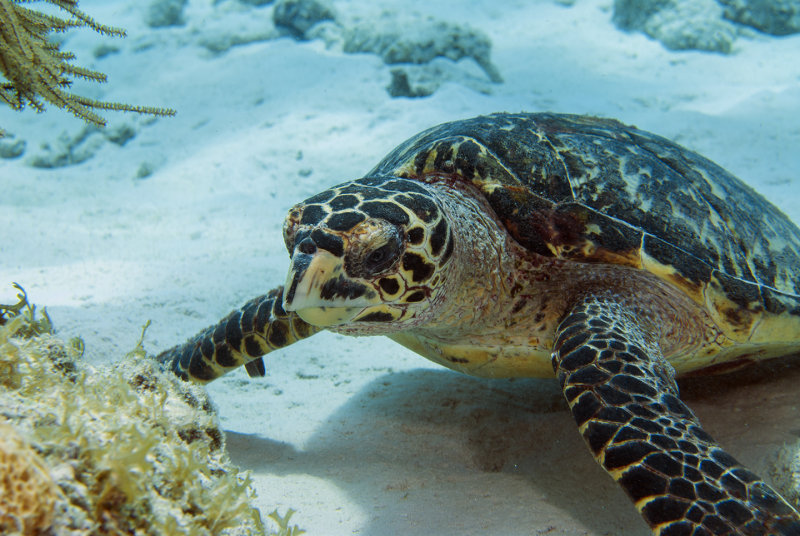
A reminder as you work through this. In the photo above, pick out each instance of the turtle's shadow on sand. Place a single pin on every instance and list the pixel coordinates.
(434, 452)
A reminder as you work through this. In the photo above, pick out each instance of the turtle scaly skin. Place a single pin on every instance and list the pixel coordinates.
(625, 401)
(527, 244)
(241, 338)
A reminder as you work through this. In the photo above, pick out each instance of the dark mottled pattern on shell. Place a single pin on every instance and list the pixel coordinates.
(595, 190)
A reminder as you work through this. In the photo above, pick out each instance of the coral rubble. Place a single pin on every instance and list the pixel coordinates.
(775, 17)
(299, 16)
(711, 25)
(412, 44)
(678, 24)
(162, 13)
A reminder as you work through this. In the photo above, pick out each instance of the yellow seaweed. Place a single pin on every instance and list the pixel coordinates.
(116, 449)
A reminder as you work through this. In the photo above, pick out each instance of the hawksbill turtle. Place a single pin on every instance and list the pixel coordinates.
(553, 245)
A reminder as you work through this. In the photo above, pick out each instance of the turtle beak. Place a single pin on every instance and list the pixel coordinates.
(318, 290)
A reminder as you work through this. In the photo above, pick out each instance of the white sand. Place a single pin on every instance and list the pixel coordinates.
(359, 435)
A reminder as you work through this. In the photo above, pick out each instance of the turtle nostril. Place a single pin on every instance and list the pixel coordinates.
(307, 246)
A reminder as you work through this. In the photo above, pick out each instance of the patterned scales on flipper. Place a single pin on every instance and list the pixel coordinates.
(594, 190)
(623, 396)
(241, 338)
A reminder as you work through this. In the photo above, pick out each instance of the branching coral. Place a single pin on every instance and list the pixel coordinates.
(35, 67)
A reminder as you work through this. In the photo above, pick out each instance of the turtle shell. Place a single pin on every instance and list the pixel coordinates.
(595, 190)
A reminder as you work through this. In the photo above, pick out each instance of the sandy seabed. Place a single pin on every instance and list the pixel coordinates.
(182, 223)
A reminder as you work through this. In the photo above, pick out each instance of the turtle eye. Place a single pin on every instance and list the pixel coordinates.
(377, 257)
(381, 258)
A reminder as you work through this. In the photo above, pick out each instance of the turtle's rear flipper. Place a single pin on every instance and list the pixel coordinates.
(241, 338)
(623, 396)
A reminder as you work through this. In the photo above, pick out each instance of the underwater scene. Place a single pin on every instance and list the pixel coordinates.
(159, 157)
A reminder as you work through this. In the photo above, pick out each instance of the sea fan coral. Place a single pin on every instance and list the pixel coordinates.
(35, 67)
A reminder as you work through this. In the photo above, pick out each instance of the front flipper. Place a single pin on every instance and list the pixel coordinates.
(241, 338)
(623, 395)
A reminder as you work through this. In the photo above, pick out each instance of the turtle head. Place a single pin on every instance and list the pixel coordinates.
(369, 256)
